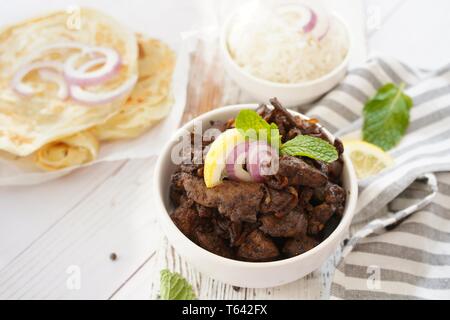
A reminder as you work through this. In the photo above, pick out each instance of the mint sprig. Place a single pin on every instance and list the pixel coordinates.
(311, 147)
(386, 116)
(175, 287)
(252, 125)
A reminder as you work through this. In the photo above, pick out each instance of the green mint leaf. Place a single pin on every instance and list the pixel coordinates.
(175, 287)
(386, 116)
(311, 147)
(252, 125)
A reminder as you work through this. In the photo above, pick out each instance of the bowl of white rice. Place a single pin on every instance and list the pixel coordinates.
(296, 51)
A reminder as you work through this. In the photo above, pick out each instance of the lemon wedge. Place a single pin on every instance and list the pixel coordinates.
(215, 160)
(367, 158)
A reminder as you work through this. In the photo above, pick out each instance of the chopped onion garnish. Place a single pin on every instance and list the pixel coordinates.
(260, 159)
(71, 79)
(84, 77)
(322, 26)
(235, 162)
(92, 63)
(257, 156)
(24, 89)
(311, 23)
(313, 20)
(306, 18)
(52, 76)
(93, 98)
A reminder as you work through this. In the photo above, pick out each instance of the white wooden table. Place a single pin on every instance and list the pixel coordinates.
(56, 239)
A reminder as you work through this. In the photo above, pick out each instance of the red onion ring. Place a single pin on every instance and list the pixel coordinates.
(308, 17)
(91, 63)
(75, 78)
(312, 22)
(92, 98)
(235, 162)
(322, 26)
(260, 159)
(24, 89)
(83, 77)
(52, 76)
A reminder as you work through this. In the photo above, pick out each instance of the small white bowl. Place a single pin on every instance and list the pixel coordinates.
(234, 272)
(292, 94)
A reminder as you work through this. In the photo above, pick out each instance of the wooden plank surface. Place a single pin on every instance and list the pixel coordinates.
(113, 216)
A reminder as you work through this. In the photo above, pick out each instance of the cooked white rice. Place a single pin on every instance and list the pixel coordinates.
(271, 48)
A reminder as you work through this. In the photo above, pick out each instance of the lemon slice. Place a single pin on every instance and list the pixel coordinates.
(215, 160)
(367, 158)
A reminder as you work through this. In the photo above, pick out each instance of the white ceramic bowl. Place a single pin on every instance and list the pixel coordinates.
(294, 94)
(239, 273)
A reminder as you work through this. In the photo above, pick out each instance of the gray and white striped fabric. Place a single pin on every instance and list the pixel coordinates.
(399, 247)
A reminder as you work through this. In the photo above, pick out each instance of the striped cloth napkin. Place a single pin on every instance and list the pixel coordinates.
(399, 244)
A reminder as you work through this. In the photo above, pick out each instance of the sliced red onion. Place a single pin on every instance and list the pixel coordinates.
(52, 76)
(323, 24)
(308, 17)
(312, 22)
(24, 89)
(235, 163)
(93, 98)
(261, 158)
(92, 63)
(83, 77)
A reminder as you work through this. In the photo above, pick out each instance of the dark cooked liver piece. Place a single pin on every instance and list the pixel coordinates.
(293, 224)
(295, 172)
(239, 201)
(257, 247)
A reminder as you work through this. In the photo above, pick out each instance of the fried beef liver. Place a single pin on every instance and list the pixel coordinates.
(284, 216)
(231, 231)
(279, 202)
(332, 197)
(213, 243)
(239, 201)
(257, 247)
(185, 216)
(320, 216)
(204, 212)
(186, 219)
(295, 172)
(295, 246)
(332, 194)
(293, 224)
